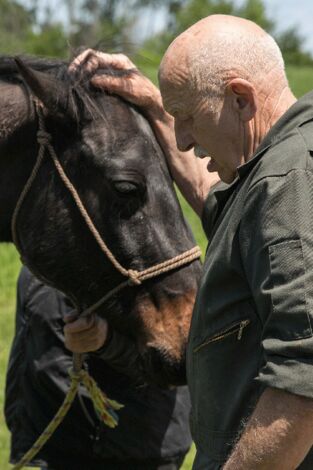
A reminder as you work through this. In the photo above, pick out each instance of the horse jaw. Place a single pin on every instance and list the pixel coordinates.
(165, 334)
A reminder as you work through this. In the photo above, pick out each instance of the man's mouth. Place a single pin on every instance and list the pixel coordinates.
(200, 152)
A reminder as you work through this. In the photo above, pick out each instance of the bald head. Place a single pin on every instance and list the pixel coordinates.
(219, 48)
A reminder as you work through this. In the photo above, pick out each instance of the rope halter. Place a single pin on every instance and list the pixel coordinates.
(134, 277)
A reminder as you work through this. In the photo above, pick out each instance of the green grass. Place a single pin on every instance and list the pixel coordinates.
(9, 267)
(301, 81)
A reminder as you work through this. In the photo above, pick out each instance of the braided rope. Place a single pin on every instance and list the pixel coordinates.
(29, 182)
(46, 143)
(104, 407)
(157, 270)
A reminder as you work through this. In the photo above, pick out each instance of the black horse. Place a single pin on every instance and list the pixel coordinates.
(110, 154)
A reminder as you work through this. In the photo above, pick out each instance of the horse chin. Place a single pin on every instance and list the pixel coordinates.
(163, 369)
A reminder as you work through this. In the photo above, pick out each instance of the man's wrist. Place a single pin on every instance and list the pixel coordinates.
(155, 110)
(158, 113)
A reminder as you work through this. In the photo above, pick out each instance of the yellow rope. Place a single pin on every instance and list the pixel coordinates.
(104, 407)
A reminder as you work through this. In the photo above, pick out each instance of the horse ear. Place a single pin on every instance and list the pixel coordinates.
(52, 92)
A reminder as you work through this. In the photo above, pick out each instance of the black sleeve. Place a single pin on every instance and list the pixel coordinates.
(121, 353)
(24, 285)
(276, 237)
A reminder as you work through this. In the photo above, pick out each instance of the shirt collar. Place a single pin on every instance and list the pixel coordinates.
(300, 112)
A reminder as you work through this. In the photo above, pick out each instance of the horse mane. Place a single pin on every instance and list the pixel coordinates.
(9, 71)
(78, 83)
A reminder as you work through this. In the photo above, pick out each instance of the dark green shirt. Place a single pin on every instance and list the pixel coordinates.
(252, 322)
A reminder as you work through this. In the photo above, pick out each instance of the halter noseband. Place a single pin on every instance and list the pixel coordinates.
(134, 277)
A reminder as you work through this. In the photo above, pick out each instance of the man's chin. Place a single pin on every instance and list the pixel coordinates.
(228, 179)
(226, 176)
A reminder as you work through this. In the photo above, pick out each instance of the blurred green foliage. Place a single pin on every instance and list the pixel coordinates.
(112, 24)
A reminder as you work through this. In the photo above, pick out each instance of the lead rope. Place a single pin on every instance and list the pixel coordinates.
(105, 407)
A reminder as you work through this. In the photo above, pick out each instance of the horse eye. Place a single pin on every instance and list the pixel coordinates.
(125, 187)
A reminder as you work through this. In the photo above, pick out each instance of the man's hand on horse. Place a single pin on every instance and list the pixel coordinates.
(85, 334)
(130, 84)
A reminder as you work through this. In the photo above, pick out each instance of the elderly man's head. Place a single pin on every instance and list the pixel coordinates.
(224, 82)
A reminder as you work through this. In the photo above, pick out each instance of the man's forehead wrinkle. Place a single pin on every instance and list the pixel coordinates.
(176, 78)
(174, 106)
(175, 94)
(174, 71)
(174, 56)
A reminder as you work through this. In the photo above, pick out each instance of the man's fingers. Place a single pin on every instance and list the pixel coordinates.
(116, 61)
(82, 338)
(84, 57)
(120, 86)
(86, 340)
(79, 325)
(92, 60)
(110, 83)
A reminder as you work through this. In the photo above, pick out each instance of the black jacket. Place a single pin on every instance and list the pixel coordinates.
(153, 424)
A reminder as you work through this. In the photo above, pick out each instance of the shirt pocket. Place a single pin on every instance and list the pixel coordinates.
(224, 362)
(290, 318)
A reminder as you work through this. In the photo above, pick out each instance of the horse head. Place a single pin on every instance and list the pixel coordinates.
(109, 153)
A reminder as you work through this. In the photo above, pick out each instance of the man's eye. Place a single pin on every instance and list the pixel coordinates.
(125, 187)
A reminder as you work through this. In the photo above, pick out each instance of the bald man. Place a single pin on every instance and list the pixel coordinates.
(225, 98)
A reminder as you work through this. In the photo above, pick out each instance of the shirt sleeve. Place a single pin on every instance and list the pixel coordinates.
(276, 239)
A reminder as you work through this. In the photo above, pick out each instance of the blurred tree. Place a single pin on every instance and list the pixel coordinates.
(181, 15)
(254, 10)
(184, 13)
(51, 41)
(292, 46)
(21, 32)
(106, 21)
(110, 24)
(15, 25)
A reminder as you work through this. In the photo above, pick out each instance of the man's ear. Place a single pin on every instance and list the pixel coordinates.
(244, 97)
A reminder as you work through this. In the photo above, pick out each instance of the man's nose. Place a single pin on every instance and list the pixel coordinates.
(184, 139)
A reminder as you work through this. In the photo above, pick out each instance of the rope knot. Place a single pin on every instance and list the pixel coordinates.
(76, 376)
(133, 276)
(43, 137)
